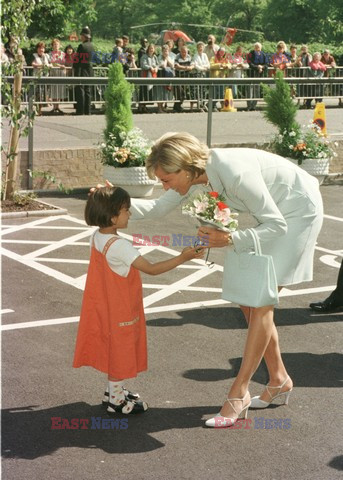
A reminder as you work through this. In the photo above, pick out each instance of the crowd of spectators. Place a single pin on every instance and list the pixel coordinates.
(175, 60)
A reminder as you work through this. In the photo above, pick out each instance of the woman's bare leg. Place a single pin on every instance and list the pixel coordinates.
(259, 334)
(272, 356)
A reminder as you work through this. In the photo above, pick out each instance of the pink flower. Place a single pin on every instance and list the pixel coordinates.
(223, 215)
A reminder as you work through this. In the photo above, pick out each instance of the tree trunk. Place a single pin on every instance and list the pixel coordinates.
(13, 145)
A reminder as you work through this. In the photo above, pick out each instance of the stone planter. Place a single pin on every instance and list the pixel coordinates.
(132, 179)
(318, 167)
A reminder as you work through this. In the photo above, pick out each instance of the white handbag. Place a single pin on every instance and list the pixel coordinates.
(249, 277)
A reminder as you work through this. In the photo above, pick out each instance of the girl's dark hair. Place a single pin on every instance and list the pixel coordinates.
(68, 46)
(40, 44)
(105, 203)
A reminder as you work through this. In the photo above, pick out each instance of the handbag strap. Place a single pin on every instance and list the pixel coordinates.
(256, 240)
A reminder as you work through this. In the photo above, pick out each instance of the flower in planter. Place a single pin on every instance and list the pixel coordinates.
(128, 149)
(302, 144)
(292, 140)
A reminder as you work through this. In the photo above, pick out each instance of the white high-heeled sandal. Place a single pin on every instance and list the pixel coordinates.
(256, 402)
(224, 422)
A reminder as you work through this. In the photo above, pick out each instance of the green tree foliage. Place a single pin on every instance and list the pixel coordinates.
(300, 21)
(280, 111)
(114, 18)
(244, 15)
(304, 21)
(16, 18)
(56, 18)
(118, 96)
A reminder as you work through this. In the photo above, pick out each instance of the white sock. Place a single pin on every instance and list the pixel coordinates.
(116, 393)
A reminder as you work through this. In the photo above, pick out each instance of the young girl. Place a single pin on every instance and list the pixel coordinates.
(112, 330)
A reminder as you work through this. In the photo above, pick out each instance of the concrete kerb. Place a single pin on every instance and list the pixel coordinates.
(37, 213)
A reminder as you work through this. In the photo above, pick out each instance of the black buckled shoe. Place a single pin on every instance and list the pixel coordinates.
(326, 306)
(128, 407)
(129, 395)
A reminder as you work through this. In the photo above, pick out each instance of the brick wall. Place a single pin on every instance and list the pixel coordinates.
(73, 168)
(81, 168)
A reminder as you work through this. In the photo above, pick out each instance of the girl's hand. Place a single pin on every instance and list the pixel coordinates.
(212, 237)
(99, 185)
(189, 253)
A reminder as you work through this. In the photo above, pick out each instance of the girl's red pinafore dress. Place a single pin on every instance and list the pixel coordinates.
(112, 330)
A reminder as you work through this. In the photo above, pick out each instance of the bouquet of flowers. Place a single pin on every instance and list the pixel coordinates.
(129, 149)
(302, 144)
(210, 208)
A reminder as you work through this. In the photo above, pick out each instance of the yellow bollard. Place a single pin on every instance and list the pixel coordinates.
(228, 101)
(319, 117)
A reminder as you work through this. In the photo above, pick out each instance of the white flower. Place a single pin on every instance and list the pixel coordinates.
(292, 134)
(201, 205)
(291, 147)
(222, 216)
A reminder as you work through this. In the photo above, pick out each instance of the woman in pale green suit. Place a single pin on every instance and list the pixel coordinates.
(286, 203)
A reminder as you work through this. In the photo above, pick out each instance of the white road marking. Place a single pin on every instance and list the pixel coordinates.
(330, 217)
(62, 260)
(164, 308)
(330, 260)
(17, 228)
(332, 252)
(6, 310)
(34, 260)
(39, 323)
(41, 242)
(46, 227)
(41, 268)
(158, 286)
(186, 281)
(285, 292)
(29, 242)
(59, 244)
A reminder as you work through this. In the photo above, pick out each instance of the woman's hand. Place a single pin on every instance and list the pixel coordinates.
(99, 185)
(213, 238)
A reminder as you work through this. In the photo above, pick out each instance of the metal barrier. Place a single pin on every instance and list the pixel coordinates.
(318, 88)
(192, 87)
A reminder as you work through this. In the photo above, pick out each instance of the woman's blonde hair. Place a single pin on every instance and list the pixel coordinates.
(178, 151)
(282, 44)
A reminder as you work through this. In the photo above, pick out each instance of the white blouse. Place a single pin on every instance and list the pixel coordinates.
(201, 61)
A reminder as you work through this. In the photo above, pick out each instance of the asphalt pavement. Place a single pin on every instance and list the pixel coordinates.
(195, 349)
(241, 127)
